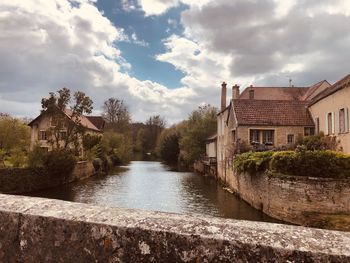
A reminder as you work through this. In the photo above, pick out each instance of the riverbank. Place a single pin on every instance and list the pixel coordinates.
(24, 180)
(302, 200)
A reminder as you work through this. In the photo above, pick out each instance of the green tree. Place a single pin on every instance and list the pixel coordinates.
(56, 106)
(200, 125)
(148, 136)
(14, 141)
(117, 147)
(13, 134)
(168, 145)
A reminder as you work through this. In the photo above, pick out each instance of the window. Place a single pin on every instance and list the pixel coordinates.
(329, 123)
(54, 121)
(254, 136)
(42, 135)
(317, 124)
(342, 121)
(234, 136)
(290, 138)
(268, 137)
(308, 131)
(62, 135)
(251, 94)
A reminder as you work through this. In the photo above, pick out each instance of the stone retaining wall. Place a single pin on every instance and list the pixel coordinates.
(291, 198)
(44, 230)
(22, 180)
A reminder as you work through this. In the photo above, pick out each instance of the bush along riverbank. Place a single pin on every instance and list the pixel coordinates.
(305, 187)
(45, 170)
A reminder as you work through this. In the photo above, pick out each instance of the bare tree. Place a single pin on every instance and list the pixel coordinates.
(116, 113)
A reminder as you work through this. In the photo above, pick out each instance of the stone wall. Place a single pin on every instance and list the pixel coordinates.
(291, 198)
(23, 180)
(43, 230)
(82, 170)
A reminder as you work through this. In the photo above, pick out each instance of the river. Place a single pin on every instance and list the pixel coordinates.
(153, 186)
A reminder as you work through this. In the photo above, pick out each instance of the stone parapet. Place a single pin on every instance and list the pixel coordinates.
(44, 230)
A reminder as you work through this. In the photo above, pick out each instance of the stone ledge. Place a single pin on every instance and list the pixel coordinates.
(44, 230)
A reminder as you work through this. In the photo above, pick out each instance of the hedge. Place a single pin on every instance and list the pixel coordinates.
(252, 162)
(327, 164)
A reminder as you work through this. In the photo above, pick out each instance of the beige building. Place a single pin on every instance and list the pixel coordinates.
(330, 111)
(41, 125)
(263, 118)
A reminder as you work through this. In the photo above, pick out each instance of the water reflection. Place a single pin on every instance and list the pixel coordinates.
(152, 186)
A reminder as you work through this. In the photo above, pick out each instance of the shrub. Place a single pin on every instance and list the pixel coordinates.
(17, 158)
(97, 163)
(301, 162)
(90, 141)
(319, 142)
(59, 163)
(312, 163)
(252, 162)
(36, 157)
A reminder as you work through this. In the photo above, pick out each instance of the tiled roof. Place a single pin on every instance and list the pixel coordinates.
(314, 90)
(275, 93)
(272, 112)
(344, 82)
(83, 121)
(98, 121)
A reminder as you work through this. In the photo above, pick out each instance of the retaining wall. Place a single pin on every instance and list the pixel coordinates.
(22, 180)
(291, 198)
(44, 230)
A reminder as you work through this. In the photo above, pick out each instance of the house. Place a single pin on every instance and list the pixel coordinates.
(263, 118)
(210, 146)
(330, 112)
(41, 125)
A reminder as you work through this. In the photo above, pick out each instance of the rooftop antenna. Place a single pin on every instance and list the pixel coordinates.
(290, 81)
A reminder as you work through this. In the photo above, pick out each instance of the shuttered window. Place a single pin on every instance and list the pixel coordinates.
(343, 120)
(329, 123)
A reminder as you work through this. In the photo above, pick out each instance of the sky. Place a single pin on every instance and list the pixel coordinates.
(165, 57)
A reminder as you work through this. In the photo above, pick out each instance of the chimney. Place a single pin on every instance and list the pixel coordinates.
(235, 92)
(251, 92)
(223, 95)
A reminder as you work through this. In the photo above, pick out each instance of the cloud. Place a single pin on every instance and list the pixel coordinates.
(159, 7)
(137, 41)
(269, 39)
(46, 45)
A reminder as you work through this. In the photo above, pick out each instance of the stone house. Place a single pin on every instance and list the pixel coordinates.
(330, 111)
(263, 118)
(40, 129)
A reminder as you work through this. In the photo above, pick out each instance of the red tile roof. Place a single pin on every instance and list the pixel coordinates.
(344, 82)
(98, 121)
(272, 112)
(83, 121)
(314, 90)
(275, 93)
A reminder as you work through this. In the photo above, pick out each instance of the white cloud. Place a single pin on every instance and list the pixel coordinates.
(267, 39)
(159, 7)
(137, 41)
(46, 45)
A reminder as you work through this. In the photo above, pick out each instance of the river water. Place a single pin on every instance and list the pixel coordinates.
(153, 186)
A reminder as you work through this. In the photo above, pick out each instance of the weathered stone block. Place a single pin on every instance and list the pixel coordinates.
(42, 230)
